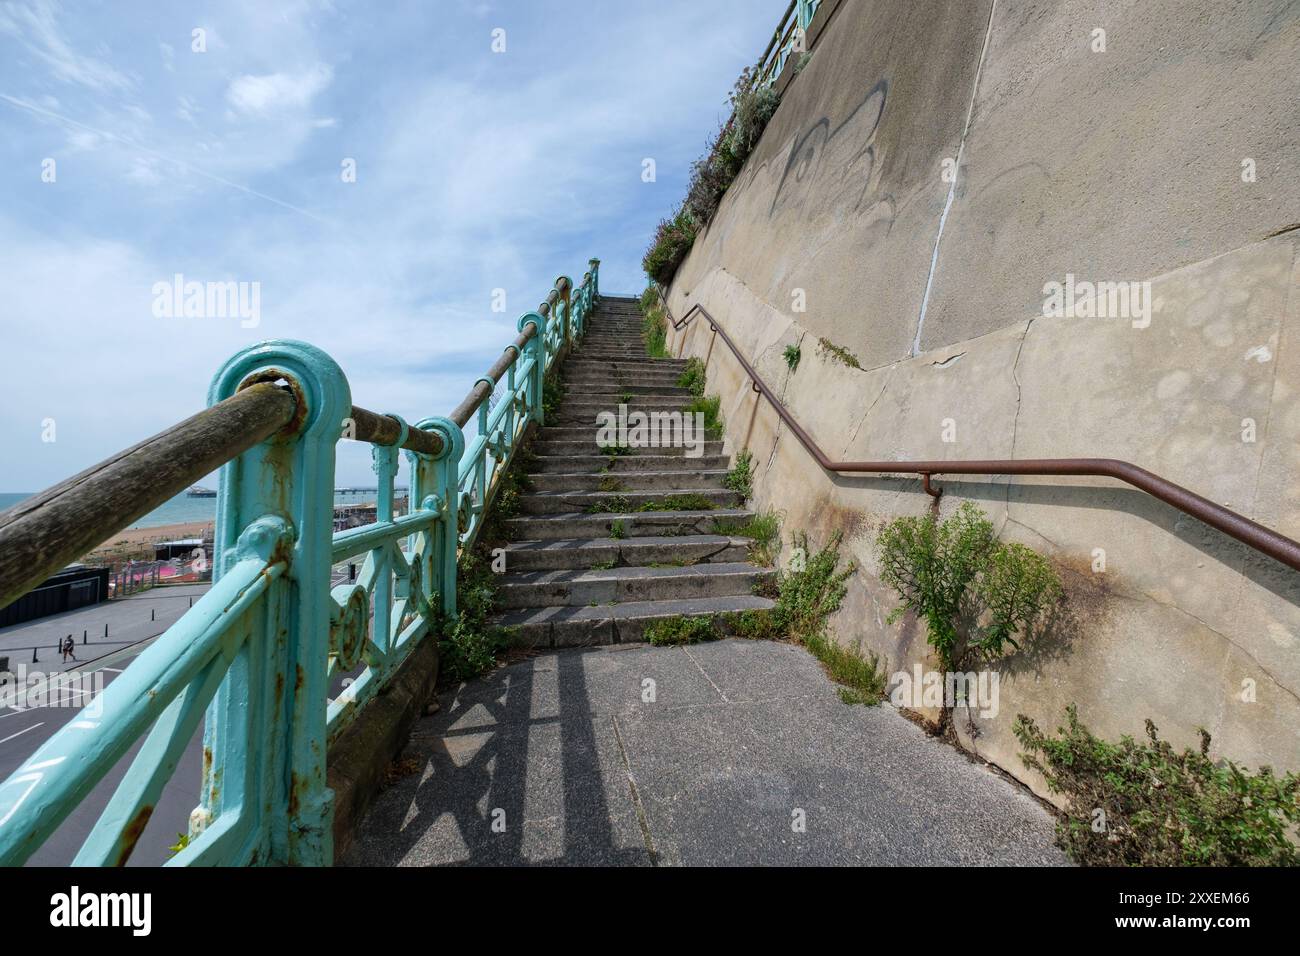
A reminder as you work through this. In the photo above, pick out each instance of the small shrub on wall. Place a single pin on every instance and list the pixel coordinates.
(975, 595)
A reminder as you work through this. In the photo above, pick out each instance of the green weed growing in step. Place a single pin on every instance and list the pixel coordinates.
(616, 529)
(763, 531)
(711, 408)
(553, 389)
(609, 483)
(839, 353)
(603, 565)
(681, 630)
(688, 501)
(617, 451)
(617, 504)
(625, 397)
(1141, 803)
(792, 355)
(693, 377)
(740, 478)
(469, 645)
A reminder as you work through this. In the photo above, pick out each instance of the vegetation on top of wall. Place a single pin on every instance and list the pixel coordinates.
(751, 108)
(1141, 803)
(974, 594)
(673, 239)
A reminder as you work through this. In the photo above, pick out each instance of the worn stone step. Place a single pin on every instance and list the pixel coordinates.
(589, 448)
(610, 484)
(567, 502)
(622, 464)
(644, 364)
(618, 380)
(580, 409)
(635, 524)
(579, 588)
(590, 431)
(621, 623)
(601, 391)
(587, 552)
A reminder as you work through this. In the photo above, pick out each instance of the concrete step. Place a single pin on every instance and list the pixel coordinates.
(567, 502)
(585, 588)
(645, 364)
(581, 409)
(603, 391)
(589, 431)
(621, 623)
(617, 379)
(589, 448)
(638, 524)
(635, 481)
(588, 552)
(622, 464)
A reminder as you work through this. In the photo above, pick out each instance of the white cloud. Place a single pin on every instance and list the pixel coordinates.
(35, 26)
(277, 92)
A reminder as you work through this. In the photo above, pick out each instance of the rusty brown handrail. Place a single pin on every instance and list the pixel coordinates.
(1255, 535)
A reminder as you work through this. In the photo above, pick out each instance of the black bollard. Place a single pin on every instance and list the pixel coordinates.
(151, 615)
(106, 630)
(35, 659)
(84, 637)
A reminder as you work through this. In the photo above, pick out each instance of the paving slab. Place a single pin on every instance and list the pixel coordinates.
(729, 753)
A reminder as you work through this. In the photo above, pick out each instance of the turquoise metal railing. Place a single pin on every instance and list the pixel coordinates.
(254, 659)
(789, 37)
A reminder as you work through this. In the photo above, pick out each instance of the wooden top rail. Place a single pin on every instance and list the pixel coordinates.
(1257, 536)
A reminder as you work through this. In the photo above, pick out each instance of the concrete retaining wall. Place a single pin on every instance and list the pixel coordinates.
(1122, 165)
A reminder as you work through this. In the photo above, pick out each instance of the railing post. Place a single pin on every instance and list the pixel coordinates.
(564, 285)
(435, 485)
(536, 349)
(595, 280)
(264, 737)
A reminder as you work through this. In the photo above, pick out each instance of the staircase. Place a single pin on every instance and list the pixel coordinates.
(578, 575)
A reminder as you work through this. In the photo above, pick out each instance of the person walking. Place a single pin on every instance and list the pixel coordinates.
(69, 648)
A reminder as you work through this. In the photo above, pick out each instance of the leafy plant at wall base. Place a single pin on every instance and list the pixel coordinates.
(616, 529)
(806, 596)
(469, 645)
(711, 409)
(792, 356)
(1141, 803)
(763, 530)
(973, 593)
(693, 377)
(740, 478)
(654, 325)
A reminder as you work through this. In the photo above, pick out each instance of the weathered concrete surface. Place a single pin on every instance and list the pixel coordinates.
(740, 737)
(1184, 625)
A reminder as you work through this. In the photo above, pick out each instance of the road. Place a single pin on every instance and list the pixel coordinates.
(133, 623)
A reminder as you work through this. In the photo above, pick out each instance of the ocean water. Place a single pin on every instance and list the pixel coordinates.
(183, 508)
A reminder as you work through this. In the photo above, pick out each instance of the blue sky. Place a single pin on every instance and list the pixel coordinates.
(475, 171)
